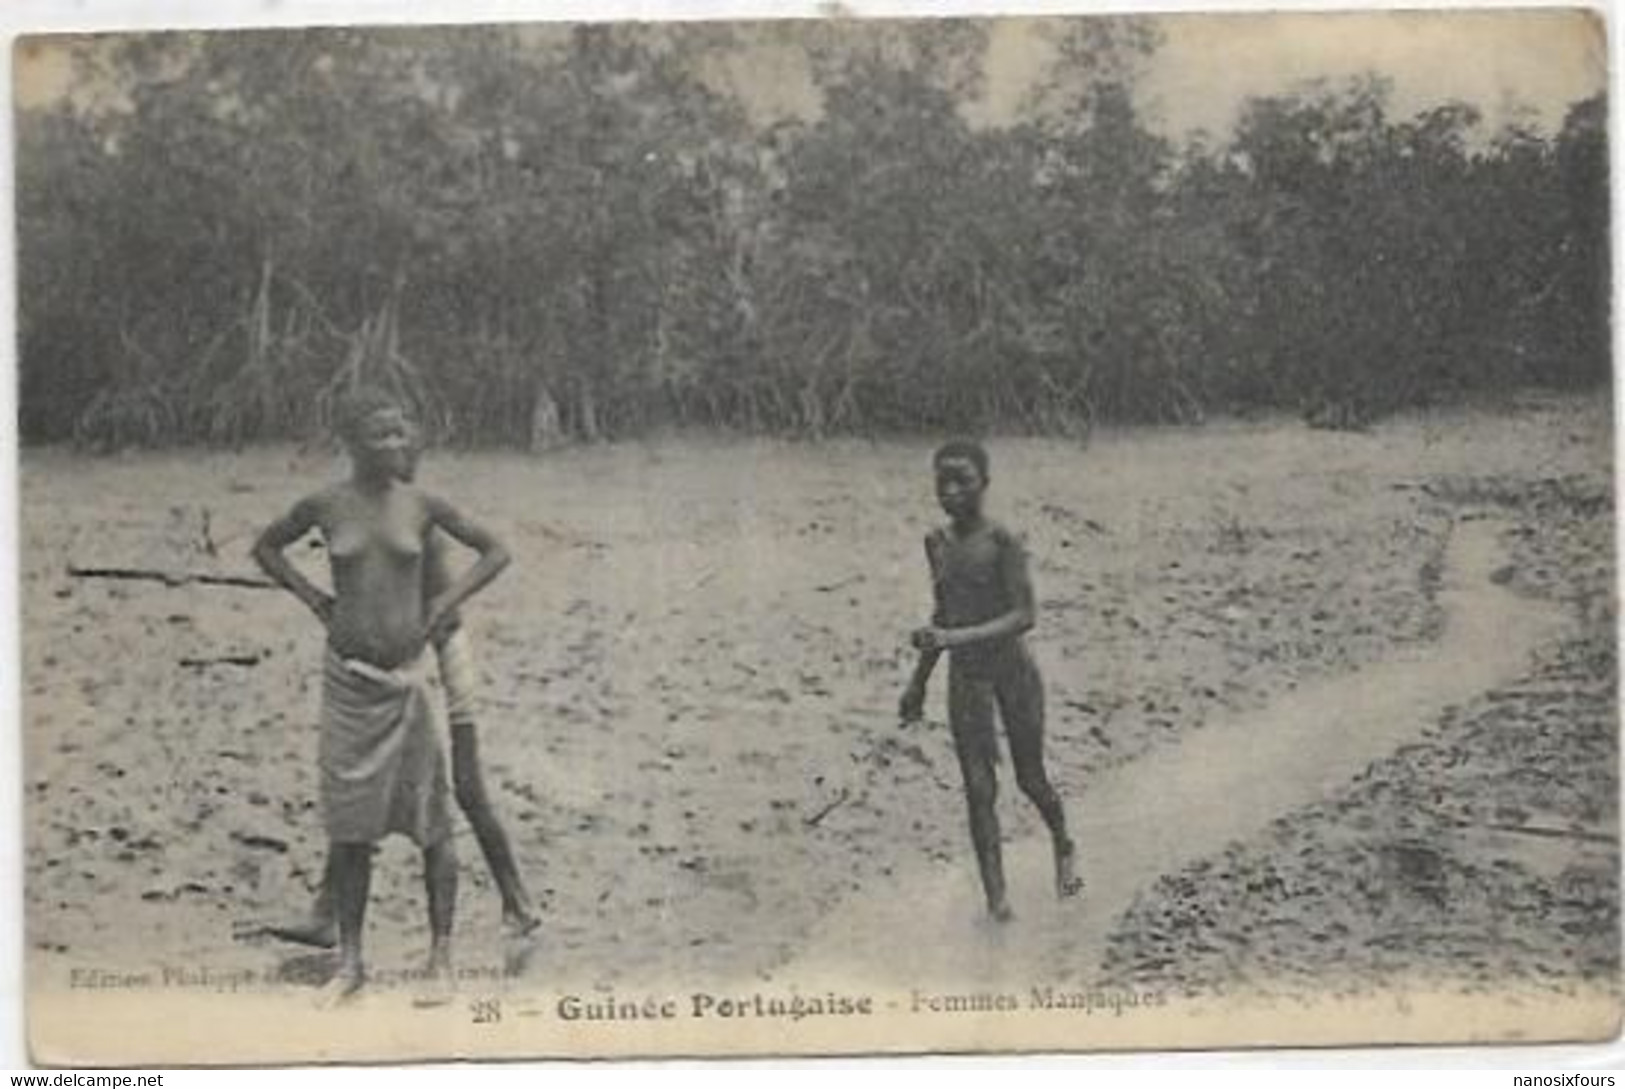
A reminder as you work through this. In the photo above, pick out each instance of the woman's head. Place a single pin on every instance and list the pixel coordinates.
(962, 476)
(375, 429)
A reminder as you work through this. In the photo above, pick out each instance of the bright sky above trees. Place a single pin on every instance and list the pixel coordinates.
(1527, 64)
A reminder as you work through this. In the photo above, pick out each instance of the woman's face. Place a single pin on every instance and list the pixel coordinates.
(960, 485)
(382, 444)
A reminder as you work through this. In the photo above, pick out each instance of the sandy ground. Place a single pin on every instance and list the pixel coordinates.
(1216, 786)
(691, 674)
(1484, 854)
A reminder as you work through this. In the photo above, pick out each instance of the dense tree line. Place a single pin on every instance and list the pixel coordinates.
(578, 233)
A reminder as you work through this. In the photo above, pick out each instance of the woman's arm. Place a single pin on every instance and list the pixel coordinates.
(270, 552)
(436, 566)
(1018, 620)
(493, 558)
(912, 706)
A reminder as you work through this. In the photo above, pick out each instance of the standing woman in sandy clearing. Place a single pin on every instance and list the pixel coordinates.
(458, 680)
(382, 768)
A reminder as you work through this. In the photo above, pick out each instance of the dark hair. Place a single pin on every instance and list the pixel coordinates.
(356, 406)
(967, 449)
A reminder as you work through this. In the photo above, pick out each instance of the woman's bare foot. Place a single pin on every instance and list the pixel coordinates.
(1067, 881)
(518, 925)
(345, 985)
(1000, 912)
(318, 931)
(437, 985)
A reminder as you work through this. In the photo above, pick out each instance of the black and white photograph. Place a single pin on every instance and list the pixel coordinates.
(835, 535)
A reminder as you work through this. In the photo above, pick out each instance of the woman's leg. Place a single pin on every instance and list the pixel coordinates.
(518, 914)
(350, 870)
(1020, 694)
(970, 717)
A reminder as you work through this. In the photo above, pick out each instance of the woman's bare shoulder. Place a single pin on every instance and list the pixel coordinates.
(1004, 536)
(322, 504)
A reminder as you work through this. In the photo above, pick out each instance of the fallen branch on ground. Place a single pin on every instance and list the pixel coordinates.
(840, 800)
(1543, 831)
(830, 588)
(224, 659)
(170, 578)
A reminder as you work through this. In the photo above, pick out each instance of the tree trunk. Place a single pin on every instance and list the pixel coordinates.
(587, 414)
(546, 431)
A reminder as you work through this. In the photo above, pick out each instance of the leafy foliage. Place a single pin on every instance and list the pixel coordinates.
(572, 233)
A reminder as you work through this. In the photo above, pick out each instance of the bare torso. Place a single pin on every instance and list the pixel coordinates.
(973, 574)
(969, 572)
(375, 544)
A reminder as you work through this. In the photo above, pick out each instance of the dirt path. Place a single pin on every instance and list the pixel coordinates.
(1225, 782)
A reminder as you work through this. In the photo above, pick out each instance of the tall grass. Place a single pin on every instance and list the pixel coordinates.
(591, 241)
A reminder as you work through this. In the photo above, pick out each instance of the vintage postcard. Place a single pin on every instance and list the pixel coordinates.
(817, 537)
